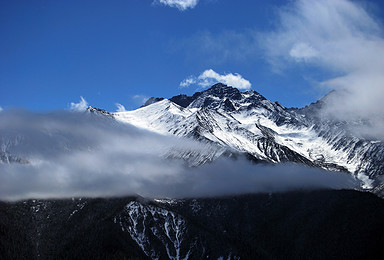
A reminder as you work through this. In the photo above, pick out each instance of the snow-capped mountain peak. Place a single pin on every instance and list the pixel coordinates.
(249, 123)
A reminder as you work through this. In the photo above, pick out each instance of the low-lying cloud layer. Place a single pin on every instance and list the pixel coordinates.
(342, 38)
(210, 77)
(82, 154)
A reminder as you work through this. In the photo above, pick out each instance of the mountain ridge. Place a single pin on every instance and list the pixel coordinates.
(249, 123)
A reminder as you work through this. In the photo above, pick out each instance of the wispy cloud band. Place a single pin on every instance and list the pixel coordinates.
(82, 105)
(120, 107)
(182, 5)
(340, 37)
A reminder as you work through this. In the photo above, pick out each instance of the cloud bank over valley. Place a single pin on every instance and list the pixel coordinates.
(72, 154)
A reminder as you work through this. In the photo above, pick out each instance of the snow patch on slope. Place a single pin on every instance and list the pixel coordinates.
(168, 228)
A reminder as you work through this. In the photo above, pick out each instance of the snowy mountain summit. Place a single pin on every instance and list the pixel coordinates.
(265, 131)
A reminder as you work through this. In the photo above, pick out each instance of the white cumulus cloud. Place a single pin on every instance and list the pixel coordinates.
(1, 109)
(182, 5)
(210, 77)
(82, 105)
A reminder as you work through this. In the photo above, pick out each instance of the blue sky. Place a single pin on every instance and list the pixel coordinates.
(53, 52)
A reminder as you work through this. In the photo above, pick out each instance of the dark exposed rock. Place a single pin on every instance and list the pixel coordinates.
(99, 111)
(151, 101)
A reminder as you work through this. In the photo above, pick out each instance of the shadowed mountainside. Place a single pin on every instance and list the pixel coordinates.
(308, 224)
